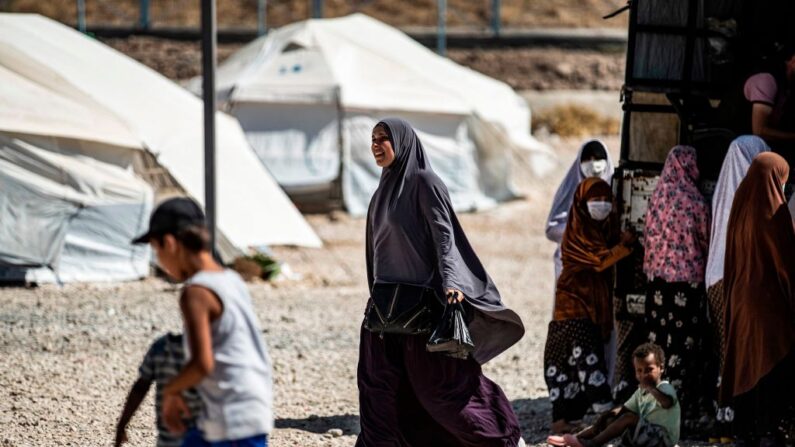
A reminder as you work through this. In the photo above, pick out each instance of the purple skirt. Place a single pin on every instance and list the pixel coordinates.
(411, 397)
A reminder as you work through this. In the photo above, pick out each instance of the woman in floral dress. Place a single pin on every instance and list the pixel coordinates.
(676, 246)
(574, 363)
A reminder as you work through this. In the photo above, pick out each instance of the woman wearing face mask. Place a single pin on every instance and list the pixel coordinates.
(592, 160)
(574, 363)
(676, 244)
(759, 286)
(407, 395)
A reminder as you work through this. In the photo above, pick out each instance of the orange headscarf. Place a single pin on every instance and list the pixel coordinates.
(584, 286)
(758, 277)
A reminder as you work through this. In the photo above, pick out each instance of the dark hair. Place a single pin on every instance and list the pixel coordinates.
(593, 149)
(195, 238)
(643, 351)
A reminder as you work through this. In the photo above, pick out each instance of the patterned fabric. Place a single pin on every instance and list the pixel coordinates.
(677, 222)
(676, 318)
(630, 336)
(644, 434)
(161, 363)
(574, 370)
(717, 312)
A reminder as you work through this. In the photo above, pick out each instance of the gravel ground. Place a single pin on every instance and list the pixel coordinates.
(69, 354)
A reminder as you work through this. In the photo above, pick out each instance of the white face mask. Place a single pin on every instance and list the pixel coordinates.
(599, 210)
(593, 168)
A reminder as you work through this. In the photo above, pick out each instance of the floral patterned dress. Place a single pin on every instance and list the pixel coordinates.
(676, 244)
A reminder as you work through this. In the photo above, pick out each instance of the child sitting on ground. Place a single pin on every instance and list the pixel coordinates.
(162, 362)
(650, 418)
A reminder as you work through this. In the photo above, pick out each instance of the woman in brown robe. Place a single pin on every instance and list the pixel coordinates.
(759, 288)
(574, 362)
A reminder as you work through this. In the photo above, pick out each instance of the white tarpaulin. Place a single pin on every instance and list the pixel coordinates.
(163, 118)
(308, 94)
(68, 216)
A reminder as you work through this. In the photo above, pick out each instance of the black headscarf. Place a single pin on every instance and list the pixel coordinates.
(414, 237)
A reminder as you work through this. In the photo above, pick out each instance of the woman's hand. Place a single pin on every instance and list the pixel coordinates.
(628, 238)
(454, 294)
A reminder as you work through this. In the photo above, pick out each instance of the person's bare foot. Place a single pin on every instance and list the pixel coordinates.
(562, 426)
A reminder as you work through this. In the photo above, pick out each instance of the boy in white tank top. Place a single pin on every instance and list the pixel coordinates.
(227, 359)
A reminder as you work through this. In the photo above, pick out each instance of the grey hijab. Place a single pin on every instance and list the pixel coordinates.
(414, 237)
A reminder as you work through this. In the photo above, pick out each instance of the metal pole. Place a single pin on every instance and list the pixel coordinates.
(496, 19)
(143, 19)
(81, 15)
(317, 9)
(208, 92)
(262, 17)
(441, 28)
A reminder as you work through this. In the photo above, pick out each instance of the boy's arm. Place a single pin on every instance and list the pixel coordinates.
(134, 399)
(664, 400)
(199, 308)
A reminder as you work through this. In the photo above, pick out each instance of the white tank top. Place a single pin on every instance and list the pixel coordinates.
(238, 394)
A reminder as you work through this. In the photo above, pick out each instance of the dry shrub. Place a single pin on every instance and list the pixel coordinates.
(247, 268)
(572, 120)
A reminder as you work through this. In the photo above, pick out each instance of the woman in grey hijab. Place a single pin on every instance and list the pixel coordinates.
(407, 395)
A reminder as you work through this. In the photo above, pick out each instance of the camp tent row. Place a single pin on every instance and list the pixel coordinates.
(308, 95)
(89, 138)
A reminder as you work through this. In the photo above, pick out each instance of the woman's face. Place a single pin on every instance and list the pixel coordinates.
(382, 149)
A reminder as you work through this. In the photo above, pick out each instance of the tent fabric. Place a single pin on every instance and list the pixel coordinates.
(68, 216)
(166, 120)
(306, 93)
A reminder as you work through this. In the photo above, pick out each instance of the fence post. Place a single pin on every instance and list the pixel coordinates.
(262, 17)
(143, 19)
(496, 19)
(317, 9)
(441, 28)
(208, 93)
(81, 15)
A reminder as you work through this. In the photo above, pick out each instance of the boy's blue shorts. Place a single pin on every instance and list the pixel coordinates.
(193, 438)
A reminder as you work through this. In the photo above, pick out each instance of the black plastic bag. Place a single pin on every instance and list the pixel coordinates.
(451, 337)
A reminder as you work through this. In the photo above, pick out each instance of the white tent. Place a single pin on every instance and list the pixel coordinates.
(152, 114)
(308, 95)
(69, 201)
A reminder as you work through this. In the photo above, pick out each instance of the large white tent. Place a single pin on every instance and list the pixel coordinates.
(76, 120)
(307, 96)
(69, 201)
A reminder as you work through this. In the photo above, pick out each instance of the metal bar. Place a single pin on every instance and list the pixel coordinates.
(81, 15)
(317, 9)
(441, 28)
(629, 73)
(143, 19)
(496, 18)
(262, 17)
(208, 92)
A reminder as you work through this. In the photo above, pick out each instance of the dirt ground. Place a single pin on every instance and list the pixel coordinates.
(70, 354)
(521, 68)
(243, 13)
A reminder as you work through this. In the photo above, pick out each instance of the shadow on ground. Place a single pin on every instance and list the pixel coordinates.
(534, 418)
(348, 423)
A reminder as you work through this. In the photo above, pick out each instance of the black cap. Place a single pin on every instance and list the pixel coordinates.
(172, 216)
